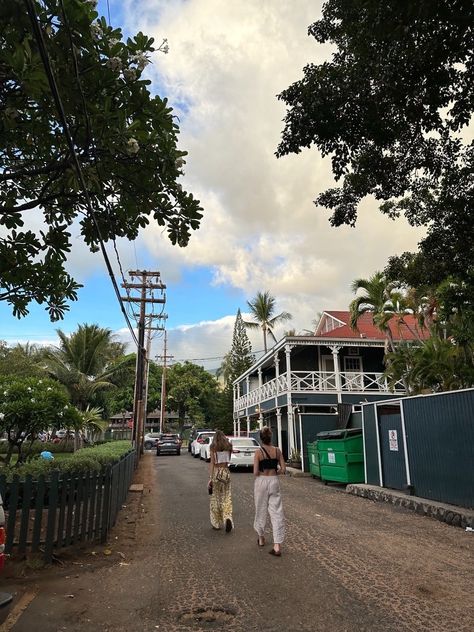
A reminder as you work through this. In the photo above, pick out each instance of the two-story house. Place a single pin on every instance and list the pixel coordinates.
(312, 379)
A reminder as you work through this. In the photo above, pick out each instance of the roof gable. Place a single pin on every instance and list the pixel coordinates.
(407, 330)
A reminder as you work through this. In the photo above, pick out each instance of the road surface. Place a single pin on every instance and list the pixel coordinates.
(348, 564)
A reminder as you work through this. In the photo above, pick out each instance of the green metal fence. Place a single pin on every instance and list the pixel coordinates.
(46, 515)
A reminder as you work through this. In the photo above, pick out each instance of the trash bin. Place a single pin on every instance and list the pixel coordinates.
(341, 455)
(313, 458)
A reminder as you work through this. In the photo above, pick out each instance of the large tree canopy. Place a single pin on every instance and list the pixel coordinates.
(124, 138)
(391, 108)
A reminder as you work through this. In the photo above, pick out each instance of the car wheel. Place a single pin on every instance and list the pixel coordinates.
(178, 452)
(148, 445)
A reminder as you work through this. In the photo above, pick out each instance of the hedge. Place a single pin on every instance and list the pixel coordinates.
(90, 459)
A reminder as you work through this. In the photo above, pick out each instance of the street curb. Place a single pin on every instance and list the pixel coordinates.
(451, 514)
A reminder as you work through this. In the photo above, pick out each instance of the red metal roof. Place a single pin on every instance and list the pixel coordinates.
(367, 329)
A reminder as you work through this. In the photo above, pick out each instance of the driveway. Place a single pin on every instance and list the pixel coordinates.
(348, 564)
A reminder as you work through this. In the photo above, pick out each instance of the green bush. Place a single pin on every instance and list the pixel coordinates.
(90, 459)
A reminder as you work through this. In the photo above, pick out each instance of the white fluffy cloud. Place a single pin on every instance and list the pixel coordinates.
(261, 230)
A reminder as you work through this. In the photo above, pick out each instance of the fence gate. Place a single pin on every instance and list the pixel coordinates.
(392, 450)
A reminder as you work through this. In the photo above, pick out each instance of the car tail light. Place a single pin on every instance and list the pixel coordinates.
(2, 536)
(200, 440)
(234, 451)
(2, 561)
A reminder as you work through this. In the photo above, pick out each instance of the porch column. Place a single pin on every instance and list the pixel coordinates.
(335, 354)
(259, 377)
(278, 413)
(235, 427)
(248, 426)
(247, 386)
(289, 407)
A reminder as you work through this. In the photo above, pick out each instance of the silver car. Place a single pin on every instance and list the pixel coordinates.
(243, 450)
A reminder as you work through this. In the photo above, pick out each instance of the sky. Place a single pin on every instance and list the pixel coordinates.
(261, 230)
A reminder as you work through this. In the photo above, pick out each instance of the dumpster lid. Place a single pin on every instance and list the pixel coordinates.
(339, 434)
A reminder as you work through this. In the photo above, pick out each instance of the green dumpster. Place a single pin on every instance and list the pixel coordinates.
(313, 458)
(341, 455)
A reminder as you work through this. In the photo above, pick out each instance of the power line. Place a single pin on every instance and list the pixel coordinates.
(38, 35)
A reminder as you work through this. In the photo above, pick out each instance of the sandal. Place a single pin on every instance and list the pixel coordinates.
(261, 543)
(275, 553)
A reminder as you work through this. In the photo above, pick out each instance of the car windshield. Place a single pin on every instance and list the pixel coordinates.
(245, 443)
(169, 437)
(205, 436)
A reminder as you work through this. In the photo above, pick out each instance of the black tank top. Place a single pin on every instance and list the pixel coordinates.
(268, 463)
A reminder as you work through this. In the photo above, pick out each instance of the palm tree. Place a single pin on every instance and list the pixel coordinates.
(85, 362)
(262, 308)
(374, 298)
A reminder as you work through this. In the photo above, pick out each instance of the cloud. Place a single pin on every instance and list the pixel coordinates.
(261, 229)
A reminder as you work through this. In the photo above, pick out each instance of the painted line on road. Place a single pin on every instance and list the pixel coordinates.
(20, 606)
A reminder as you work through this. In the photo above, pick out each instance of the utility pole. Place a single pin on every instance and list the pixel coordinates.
(149, 281)
(164, 357)
(149, 329)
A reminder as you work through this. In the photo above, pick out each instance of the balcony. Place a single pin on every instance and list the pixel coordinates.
(318, 382)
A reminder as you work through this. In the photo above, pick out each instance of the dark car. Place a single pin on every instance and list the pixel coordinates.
(194, 433)
(168, 444)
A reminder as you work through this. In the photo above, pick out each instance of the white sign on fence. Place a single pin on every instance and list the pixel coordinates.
(331, 457)
(393, 440)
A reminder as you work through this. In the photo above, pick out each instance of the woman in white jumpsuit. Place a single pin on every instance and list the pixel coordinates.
(267, 464)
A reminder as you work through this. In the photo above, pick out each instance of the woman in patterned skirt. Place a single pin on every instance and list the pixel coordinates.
(219, 482)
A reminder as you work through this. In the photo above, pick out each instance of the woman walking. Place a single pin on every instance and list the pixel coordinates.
(267, 464)
(219, 482)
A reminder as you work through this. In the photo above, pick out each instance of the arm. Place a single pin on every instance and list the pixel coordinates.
(281, 462)
(256, 461)
(211, 464)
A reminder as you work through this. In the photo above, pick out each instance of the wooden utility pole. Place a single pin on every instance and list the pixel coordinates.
(149, 281)
(164, 357)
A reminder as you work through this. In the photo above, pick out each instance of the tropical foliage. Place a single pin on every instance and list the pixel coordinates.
(444, 360)
(30, 405)
(85, 363)
(123, 140)
(262, 310)
(390, 109)
(193, 393)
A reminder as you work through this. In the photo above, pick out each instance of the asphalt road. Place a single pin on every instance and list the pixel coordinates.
(348, 564)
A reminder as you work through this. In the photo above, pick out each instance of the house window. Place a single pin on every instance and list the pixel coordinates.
(353, 365)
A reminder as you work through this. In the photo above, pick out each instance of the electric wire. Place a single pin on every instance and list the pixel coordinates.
(38, 35)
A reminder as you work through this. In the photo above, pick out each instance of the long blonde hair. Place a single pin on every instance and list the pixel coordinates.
(220, 443)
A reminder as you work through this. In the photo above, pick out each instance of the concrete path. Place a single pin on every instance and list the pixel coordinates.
(349, 564)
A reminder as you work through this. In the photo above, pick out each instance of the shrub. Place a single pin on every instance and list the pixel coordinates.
(89, 459)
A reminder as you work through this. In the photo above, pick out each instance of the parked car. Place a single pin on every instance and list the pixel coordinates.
(150, 439)
(168, 444)
(205, 452)
(194, 433)
(5, 598)
(243, 451)
(198, 441)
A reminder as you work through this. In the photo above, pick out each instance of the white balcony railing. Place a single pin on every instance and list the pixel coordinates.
(317, 382)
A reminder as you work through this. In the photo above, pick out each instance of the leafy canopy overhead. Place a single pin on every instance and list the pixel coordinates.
(125, 140)
(392, 108)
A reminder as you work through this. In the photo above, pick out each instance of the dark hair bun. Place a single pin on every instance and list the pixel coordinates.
(266, 435)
